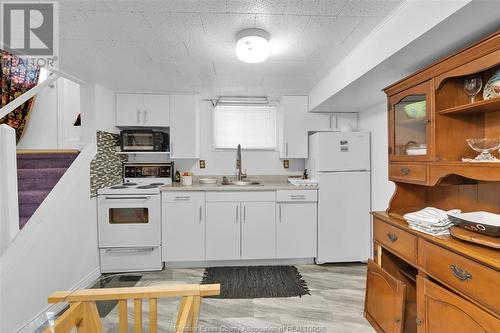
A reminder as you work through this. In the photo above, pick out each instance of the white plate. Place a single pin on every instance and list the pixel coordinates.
(208, 180)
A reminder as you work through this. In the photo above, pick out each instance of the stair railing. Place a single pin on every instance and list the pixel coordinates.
(9, 212)
(83, 315)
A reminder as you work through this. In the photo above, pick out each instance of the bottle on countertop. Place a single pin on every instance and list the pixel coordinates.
(177, 177)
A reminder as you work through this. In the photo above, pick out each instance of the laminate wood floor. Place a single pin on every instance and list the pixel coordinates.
(334, 306)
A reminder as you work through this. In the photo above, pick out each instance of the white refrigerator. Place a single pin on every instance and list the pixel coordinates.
(340, 161)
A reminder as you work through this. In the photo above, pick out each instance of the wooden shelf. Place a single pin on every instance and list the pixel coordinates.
(489, 105)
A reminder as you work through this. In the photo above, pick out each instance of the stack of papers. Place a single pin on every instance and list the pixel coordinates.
(430, 220)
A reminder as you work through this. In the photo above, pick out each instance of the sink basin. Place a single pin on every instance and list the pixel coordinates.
(241, 183)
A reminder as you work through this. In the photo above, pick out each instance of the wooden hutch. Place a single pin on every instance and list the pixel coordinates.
(422, 283)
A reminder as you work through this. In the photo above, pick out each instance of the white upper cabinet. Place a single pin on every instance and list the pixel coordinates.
(295, 122)
(142, 110)
(184, 126)
(156, 110)
(129, 109)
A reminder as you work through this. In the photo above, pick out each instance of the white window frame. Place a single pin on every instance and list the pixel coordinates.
(274, 125)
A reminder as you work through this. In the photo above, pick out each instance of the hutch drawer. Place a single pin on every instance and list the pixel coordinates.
(398, 241)
(408, 173)
(474, 280)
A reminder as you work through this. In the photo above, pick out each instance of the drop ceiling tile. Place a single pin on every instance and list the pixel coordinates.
(175, 26)
(330, 30)
(88, 5)
(176, 6)
(290, 7)
(223, 27)
(165, 51)
(282, 27)
(121, 26)
(369, 7)
(363, 30)
(73, 24)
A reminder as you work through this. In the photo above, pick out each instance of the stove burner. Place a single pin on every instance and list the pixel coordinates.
(117, 187)
(129, 184)
(157, 184)
(146, 186)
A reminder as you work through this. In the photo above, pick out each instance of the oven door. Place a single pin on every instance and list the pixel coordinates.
(129, 220)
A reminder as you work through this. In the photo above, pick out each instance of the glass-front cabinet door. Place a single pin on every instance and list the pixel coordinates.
(410, 120)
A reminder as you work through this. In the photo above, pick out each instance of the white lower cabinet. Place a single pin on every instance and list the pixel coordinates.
(258, 230)
(183, 227)
(248, 225)
(296, 230)
(223, 230)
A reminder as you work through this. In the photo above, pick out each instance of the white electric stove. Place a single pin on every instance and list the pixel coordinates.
(129, 219)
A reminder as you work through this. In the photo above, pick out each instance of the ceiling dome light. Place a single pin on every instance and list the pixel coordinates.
(252, 45)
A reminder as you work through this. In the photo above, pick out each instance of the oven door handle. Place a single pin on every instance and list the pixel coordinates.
(130, 250)
(127, 198)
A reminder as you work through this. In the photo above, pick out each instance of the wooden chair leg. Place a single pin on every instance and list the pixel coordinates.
(138, 315)
(196, 311)
(123, 318)
(91, 322)
(153, 315)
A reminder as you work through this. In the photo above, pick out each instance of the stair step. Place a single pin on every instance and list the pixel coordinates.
(33, 196)
(22, 221)
(26, 210)
(40, 173)
(37, 164)
(46, 183)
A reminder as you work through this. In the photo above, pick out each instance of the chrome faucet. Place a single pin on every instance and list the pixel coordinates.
(240, 175)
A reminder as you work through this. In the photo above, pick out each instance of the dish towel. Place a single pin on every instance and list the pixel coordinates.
(430, 220)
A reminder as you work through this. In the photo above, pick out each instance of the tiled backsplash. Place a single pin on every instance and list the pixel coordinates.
(106, 167)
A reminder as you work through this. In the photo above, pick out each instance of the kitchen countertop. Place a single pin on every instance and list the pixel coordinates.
(267, 183)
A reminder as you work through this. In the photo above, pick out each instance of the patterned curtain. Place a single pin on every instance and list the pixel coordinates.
(17, 78)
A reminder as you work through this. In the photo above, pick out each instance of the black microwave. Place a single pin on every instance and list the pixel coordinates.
(144, 140)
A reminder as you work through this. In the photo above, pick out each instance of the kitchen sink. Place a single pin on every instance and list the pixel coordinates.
(241, 183)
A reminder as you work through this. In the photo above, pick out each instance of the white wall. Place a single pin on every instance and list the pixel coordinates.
(375, 121)
(224, 162)
(51, 121)
(9, 210)
(56, 250)
(98, 111)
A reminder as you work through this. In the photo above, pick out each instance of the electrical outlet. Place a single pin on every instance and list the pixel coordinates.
(286, 164)
(202, 164)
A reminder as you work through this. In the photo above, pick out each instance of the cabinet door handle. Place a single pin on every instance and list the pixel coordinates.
(186, 198)
(460, 273)
(200, 214)
(280, 213)
(244, 213)
(138, 116)
(392, 237)
(405, 171)
(286, 149)
(237, 214)
(331, 122)
(298, 197)
(145, 116)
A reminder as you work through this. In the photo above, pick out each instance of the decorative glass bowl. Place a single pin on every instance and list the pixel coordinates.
(485, 146)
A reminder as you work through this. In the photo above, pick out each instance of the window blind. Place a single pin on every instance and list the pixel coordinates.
(254, 127)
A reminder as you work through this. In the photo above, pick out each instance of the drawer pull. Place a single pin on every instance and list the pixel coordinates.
(460, 273)
(392, 237)
(405, 171)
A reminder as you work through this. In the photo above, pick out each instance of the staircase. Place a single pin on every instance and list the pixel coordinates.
(37, 174)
